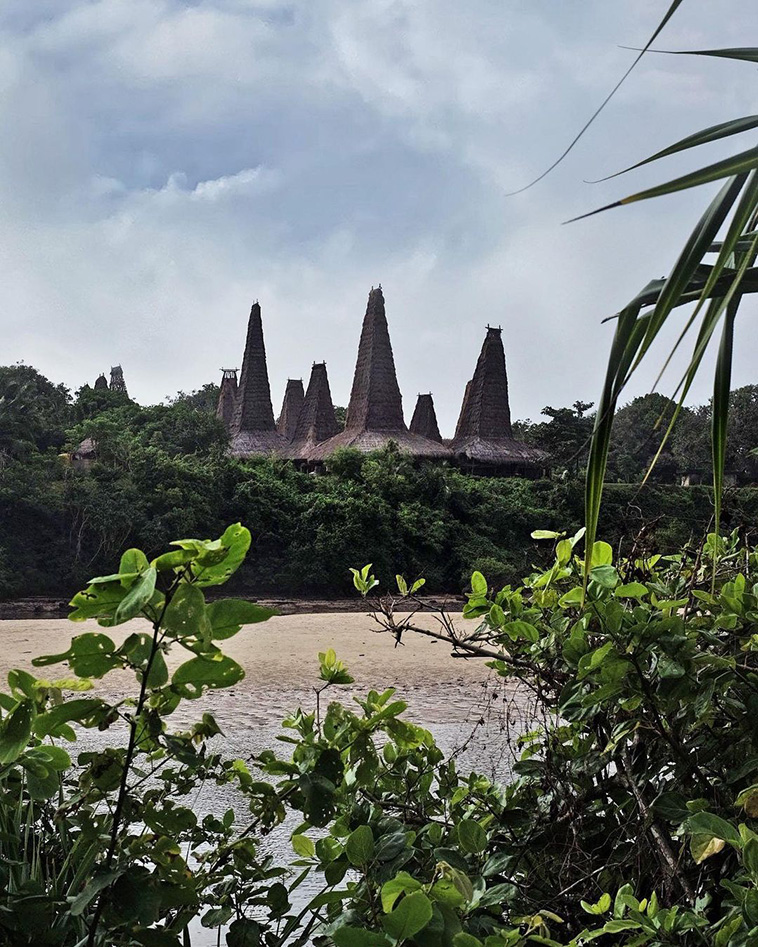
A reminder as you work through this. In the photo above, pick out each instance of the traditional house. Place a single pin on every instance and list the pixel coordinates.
(253, 430)
(424, 420)
(291, 408)
(484, 441)
(117, 380)
(375, 411)
(317, 422)
(227, 398)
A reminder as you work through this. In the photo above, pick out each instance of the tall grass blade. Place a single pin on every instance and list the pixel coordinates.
(715, 133)
(690, 259)
(669, 13)
(720, 418)
(626, 340)
(742, 215)
(740, 163)
(743, 53)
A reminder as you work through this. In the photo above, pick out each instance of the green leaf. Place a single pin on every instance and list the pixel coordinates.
(602, 554)
(462, 939)
(668, 667)
(359, 846)
(633, 337)
(318, 793)
(176, 559)
(97, 601)
(137, 597)
(707, 823)
(186, 615)
(703, 846)
(402, 883)
(228, 615)
(545, 534)
(244, 932)
(563, 552)
(207, 670)
(750, 858)
(720, 412)
(410, 916)
(133, 561)
(572, 597)
(632, 590)
(349, 936)
(606, 576)
(737, 164)
(743, 53)
(713, 133)
(332, 669)
(496, 617)
(84, 710)
(471, 836)
(91, 655)
(479, 584)
(43, 765)
(521, 629)
(15, 731)
(216, 917)
(600, 907)
(303, 846)
(101, 879)
(592, 660)
(235, 542)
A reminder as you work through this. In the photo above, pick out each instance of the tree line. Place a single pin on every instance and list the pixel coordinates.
(163, 471)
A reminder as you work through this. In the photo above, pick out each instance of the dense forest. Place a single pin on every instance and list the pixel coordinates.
(163, 471)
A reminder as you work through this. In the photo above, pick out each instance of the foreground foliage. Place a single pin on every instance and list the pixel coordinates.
(629, 816)
(727, 237)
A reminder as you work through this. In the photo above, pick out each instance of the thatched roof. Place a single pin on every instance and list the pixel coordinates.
(484, 434)
(498, 452)
(86, 450)
(227, 397)
(424, 420)
(368, 441)
(253, 427)
(375, 412)
(101, 382)
(117, 380)
(317, 420)
(291, 408)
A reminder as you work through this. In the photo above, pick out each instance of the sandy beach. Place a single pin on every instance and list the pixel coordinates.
(461, 701)
(452, 697)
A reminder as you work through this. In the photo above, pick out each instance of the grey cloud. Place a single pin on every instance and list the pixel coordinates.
(170, 161)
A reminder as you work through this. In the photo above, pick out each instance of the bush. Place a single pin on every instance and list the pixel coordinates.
(631, 817)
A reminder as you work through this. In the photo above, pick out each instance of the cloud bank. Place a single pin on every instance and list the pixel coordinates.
(164, 163)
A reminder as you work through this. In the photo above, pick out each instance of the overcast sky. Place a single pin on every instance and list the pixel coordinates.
(164, 163)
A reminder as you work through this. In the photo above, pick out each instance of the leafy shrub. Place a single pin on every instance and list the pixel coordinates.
(631, 817)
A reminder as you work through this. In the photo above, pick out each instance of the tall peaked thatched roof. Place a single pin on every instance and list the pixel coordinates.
(424, 420)
(375, 412)
(317, 421)
(253, 428)
(291, 408)
(117, 379)
(375, 400)
(486, 411)
(227, 398)
(484, 434)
